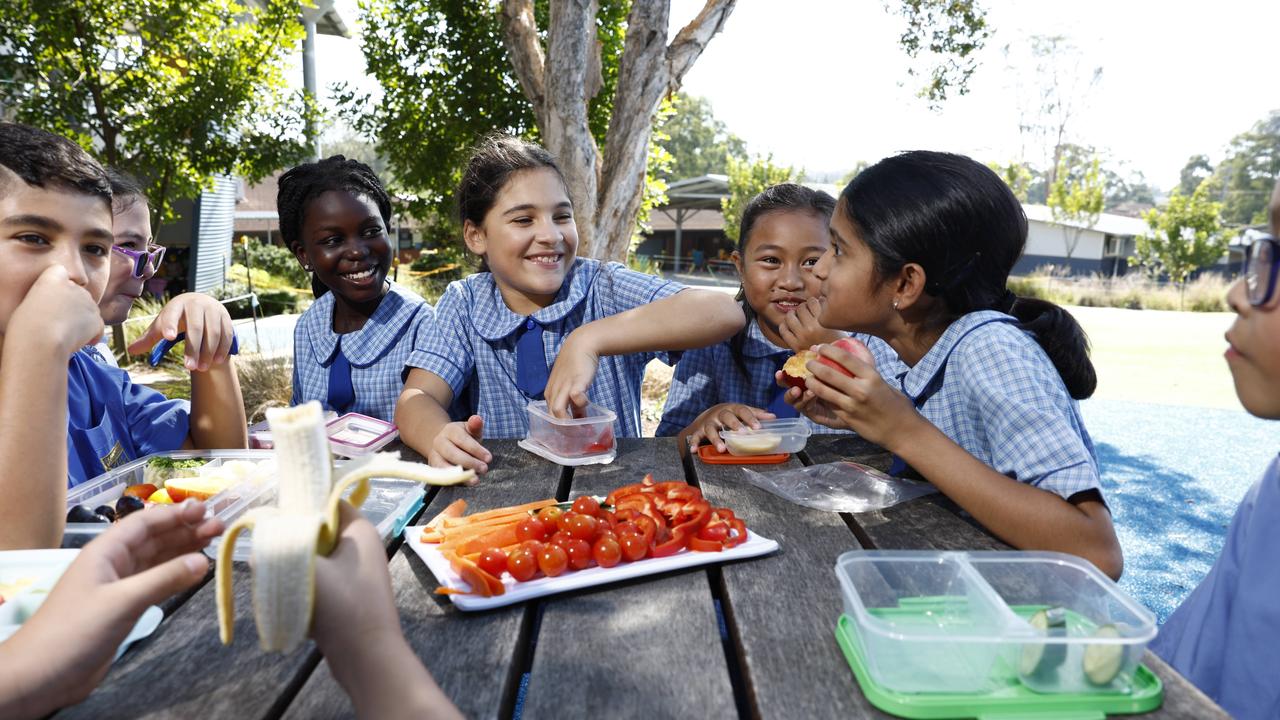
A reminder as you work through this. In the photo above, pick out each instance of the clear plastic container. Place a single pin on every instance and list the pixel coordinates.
(107, 488)
(959, 622)
(577, 437)
(354, 435)
(787, 435)
(390, 505)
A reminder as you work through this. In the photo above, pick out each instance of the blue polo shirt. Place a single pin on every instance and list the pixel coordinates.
(1225, 638)
(472, 343)
(111, 421)
(376, 352)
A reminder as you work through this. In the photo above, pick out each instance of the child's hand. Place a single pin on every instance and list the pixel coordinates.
(203, 319)
(59, 309)
(801, 330)
(725, 416)
(64, 650)
(458, 443)
(572, 374)
(864, 403)
(354, 606)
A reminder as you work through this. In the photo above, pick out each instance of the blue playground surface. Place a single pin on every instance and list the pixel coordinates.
(1173, 477)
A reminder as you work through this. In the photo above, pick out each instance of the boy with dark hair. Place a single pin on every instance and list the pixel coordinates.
(55, 245)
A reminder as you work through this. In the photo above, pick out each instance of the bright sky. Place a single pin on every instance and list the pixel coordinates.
(823, 83)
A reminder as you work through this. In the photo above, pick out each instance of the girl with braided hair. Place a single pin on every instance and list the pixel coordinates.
(350, 346)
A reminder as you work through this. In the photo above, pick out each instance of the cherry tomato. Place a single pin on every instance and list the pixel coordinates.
(552, 560)
(560, 538)
(633, 546)
(586, 505)
(582, 527)
(625, 526)
(531, 529)
(522, 564)
(550, 515)
(493, 561)
(579, 552)
(606, 552)
(533, 546)
(562, 523)
(605, 534)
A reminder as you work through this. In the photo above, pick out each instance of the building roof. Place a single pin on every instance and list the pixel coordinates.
(706, 192)
(1107, 224)
(694, 219)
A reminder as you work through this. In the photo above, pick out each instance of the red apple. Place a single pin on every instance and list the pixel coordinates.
(795, 372)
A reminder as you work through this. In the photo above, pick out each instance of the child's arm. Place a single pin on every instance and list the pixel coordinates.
(217, 408)
(358, 630)
(425, 426)
(61, 653)
(688, 319)
(55, 318)
(1020, 514)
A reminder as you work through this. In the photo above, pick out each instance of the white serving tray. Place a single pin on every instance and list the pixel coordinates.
(755, 546)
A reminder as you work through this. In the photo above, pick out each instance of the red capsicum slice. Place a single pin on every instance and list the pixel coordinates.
(698, 513)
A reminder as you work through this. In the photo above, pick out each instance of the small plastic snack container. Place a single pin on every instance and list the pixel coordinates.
(354, 435)
(787, 435)
(589, 434)
(107, 488)
(980, 622)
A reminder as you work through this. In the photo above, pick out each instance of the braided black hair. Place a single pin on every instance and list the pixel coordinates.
(44, 160)
(304, 183)
(493, 161)
(784, 197)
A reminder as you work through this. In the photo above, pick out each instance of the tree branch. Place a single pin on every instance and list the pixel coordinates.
(693, 38)
(520, 36)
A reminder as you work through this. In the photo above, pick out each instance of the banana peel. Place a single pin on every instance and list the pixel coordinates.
(288, 537)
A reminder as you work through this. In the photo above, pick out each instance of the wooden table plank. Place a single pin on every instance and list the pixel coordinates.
(476, 657)
(782, 609)
(648, 649)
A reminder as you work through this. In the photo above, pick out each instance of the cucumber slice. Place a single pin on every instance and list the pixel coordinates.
(1040, 659)
(1102, 663)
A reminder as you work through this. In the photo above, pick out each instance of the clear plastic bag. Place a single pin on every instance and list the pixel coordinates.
(839, 487)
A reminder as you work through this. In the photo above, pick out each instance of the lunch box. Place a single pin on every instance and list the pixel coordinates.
(786, 435)
(587, 435)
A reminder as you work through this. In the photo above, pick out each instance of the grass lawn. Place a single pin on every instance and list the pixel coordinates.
(1155, 356)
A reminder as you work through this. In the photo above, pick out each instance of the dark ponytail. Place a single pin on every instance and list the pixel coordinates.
(959, 221)
(304, 183)
(785, 197)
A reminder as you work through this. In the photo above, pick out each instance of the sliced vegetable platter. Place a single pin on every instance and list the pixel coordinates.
(755, 546)
(508, 555)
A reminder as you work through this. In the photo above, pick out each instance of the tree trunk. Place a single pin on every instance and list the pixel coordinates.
(606, 191)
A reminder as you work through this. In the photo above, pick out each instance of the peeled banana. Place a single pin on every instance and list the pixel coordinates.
(287, 538)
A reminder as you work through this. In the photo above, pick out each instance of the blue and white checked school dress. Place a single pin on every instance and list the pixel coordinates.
(376, 352)
(472, 343)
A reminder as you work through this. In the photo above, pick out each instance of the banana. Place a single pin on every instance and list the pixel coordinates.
(302, 525)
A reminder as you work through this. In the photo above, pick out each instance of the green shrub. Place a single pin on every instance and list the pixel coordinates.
(274, 259)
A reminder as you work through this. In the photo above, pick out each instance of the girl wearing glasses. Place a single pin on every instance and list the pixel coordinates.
(1225, 637)
(112, 420)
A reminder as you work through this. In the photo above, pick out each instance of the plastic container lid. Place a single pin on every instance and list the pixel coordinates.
(544, 452)
(960, 622)
(711, 456)
(353, 434)
(589, 433)
(786, 435)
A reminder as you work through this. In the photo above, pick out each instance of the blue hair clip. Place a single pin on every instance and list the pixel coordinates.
(164, 346)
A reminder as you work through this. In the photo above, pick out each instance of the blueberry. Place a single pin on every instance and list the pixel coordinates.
(107, 512)
(82, 514)
(126, 505)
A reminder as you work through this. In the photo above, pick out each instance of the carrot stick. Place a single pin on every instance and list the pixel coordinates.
(455, 509)
(505, 535)
(512, 510)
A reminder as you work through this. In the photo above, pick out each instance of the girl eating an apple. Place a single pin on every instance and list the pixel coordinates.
(983, 402)
(729, 386)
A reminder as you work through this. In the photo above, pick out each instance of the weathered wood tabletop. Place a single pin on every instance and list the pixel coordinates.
(753, 638)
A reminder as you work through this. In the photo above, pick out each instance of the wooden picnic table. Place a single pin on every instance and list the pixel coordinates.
(753, 638)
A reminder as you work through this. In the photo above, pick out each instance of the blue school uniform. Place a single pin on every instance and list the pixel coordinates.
(988, 386)
(1225, 638)
(709, 376)
(472, 345)
(375, 355)
(111, 421)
